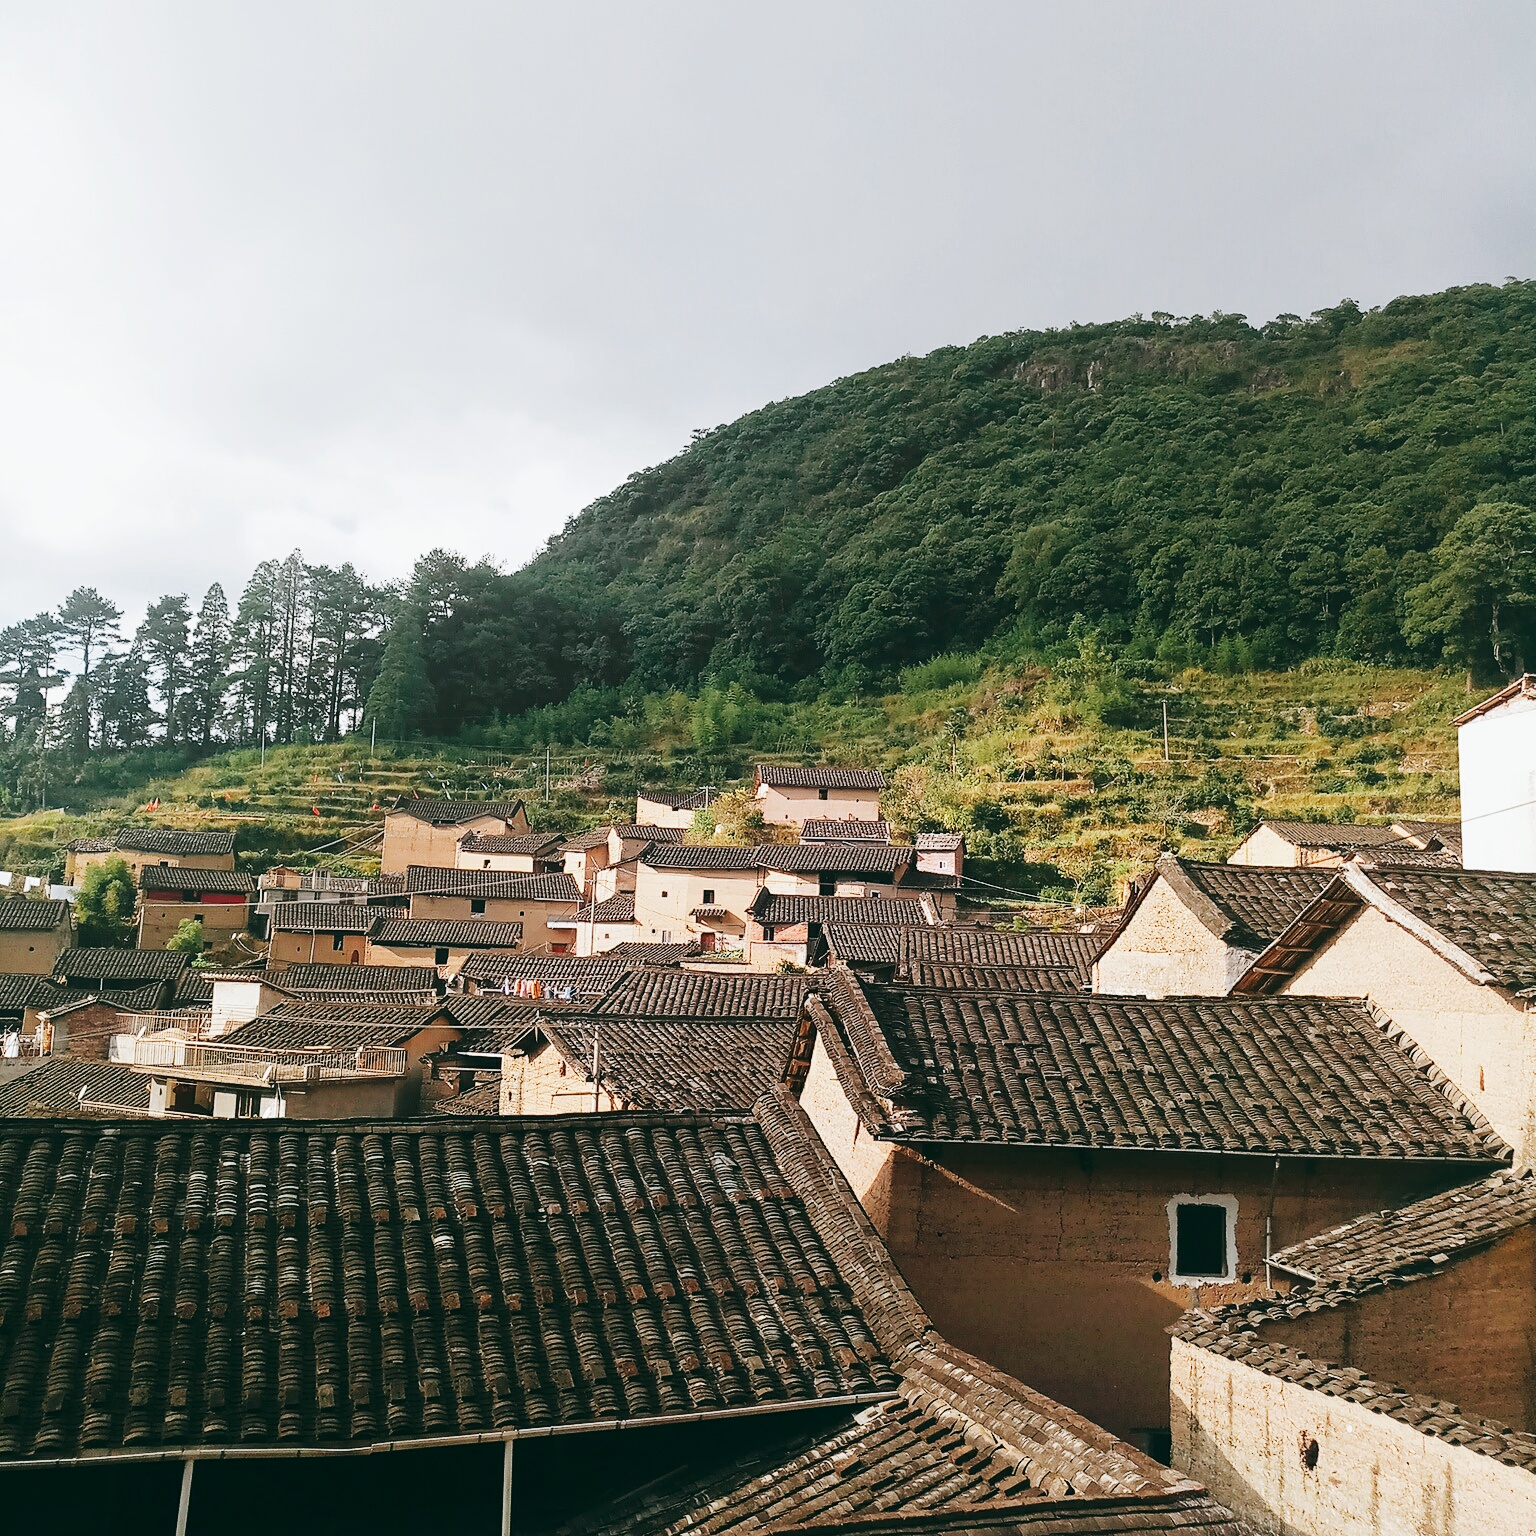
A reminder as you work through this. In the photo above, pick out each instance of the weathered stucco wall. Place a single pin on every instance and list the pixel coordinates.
(408, 840)
(1466, 1335)
(1165, 951)
(34, 953)
(1480, 1037)
(544, 1083)
(535, 916)
(802, 805)
(1245, 1435)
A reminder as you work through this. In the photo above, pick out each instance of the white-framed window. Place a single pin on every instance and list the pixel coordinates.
(1202, 1239)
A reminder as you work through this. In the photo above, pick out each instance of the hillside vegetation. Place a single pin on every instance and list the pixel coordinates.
(1056, 775)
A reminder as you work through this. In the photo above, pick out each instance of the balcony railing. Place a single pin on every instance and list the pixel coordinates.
(265, 1064)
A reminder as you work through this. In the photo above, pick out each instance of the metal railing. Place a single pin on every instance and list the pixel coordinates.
(269, 1064)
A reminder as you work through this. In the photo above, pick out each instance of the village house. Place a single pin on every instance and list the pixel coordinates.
(1060, 1176)
(33, 933)
(821, 830)
(537, 978)
(1327, 844)
(1448, 955)
(728, 1281)
(429, 831)
(1192, 930)
(544, 905)
(528, 853)
(793, 796)
(791, 930)
(321, 932)
(671, 808)
(121, 970)
(370, 983)
(940, 853)
(603, 861)
(220, 899)
(604, 925)
(1392, 1384)
(1496, 745)
(281, 886)
(52, 1088)
(1039, 960)
(140, 847)
(94, 1025)
(444, 943)
(704, 893)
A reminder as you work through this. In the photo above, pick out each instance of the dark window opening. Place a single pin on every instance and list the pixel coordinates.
(440, 957)
(1309, 1453)
(1201, 1241)
(767, 935)
(827, 886)
(338, 941)
(709, 898)
(821, 794)
(477, 906)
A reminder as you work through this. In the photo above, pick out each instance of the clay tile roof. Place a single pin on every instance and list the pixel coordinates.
(192, 986)
(938, 842)
(174, 842)
(1000, 946)
(1301, 1076)
(19, 992)
(700, 994)
(350, 1286)
(835, 858)
(313, 1022)
(21, 914)
(679, 799)
(964, 1448)
(1247, 905)
(847, 831)
(677, 1063)
(532, 843)
(493, 884)
(96, 965)
(91, 845)
(769, 908)
(589, 974)
(452, 813)
(1489, 916)
(593, 837)
(172, 877)
(1332, 836)
(1428, 1234)
(820, 778)
(1344, 1267)
(994, 978)
(56, 1088)
(641, 832)
(456, 933)
(357, 978)
(619, 908)
(691, 856)
(323, 917)
(1522, 688)
(864, 943)
(651, 954)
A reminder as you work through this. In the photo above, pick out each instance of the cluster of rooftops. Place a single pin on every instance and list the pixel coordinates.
(631, 1184)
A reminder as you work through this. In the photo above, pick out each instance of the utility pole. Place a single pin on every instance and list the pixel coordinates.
(1165, 731)
(546, 773)
(373, 743)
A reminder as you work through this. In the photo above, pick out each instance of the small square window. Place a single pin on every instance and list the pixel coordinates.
(477, 906)
(709, 898)
(1203, 1246)
(821, 794)
(440, 956)
(338, 941)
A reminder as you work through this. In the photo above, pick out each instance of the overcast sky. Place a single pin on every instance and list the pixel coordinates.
(365, 279)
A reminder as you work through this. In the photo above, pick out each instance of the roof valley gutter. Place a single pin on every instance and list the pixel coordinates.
(442, 1442)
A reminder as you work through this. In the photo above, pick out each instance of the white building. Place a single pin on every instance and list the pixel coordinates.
(1497, 746)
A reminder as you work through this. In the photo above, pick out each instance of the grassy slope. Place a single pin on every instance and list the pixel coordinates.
(1058, 778)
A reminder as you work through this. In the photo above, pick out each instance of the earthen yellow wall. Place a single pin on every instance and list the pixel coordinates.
(1165, 951)
(1242, 1433)
(802, 805)
(1480, 1037)
(33, 954)
(221, 920)
(316, 949)
(652, 813)
(403, 954)
(1041, 1260)
(665, 897)
(535, 916)
(76, 864)
(408, 840)
(544, 1083)
(1466, 1335)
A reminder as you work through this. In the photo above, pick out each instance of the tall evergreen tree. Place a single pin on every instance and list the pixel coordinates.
(164, 641)
(207, 667)
(401, 696)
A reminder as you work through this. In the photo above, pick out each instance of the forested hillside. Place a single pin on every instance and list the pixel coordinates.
(1191, 491)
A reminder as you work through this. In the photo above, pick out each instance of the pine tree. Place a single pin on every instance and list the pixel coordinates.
(207, 667)
(401, 696)
(162, 637)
